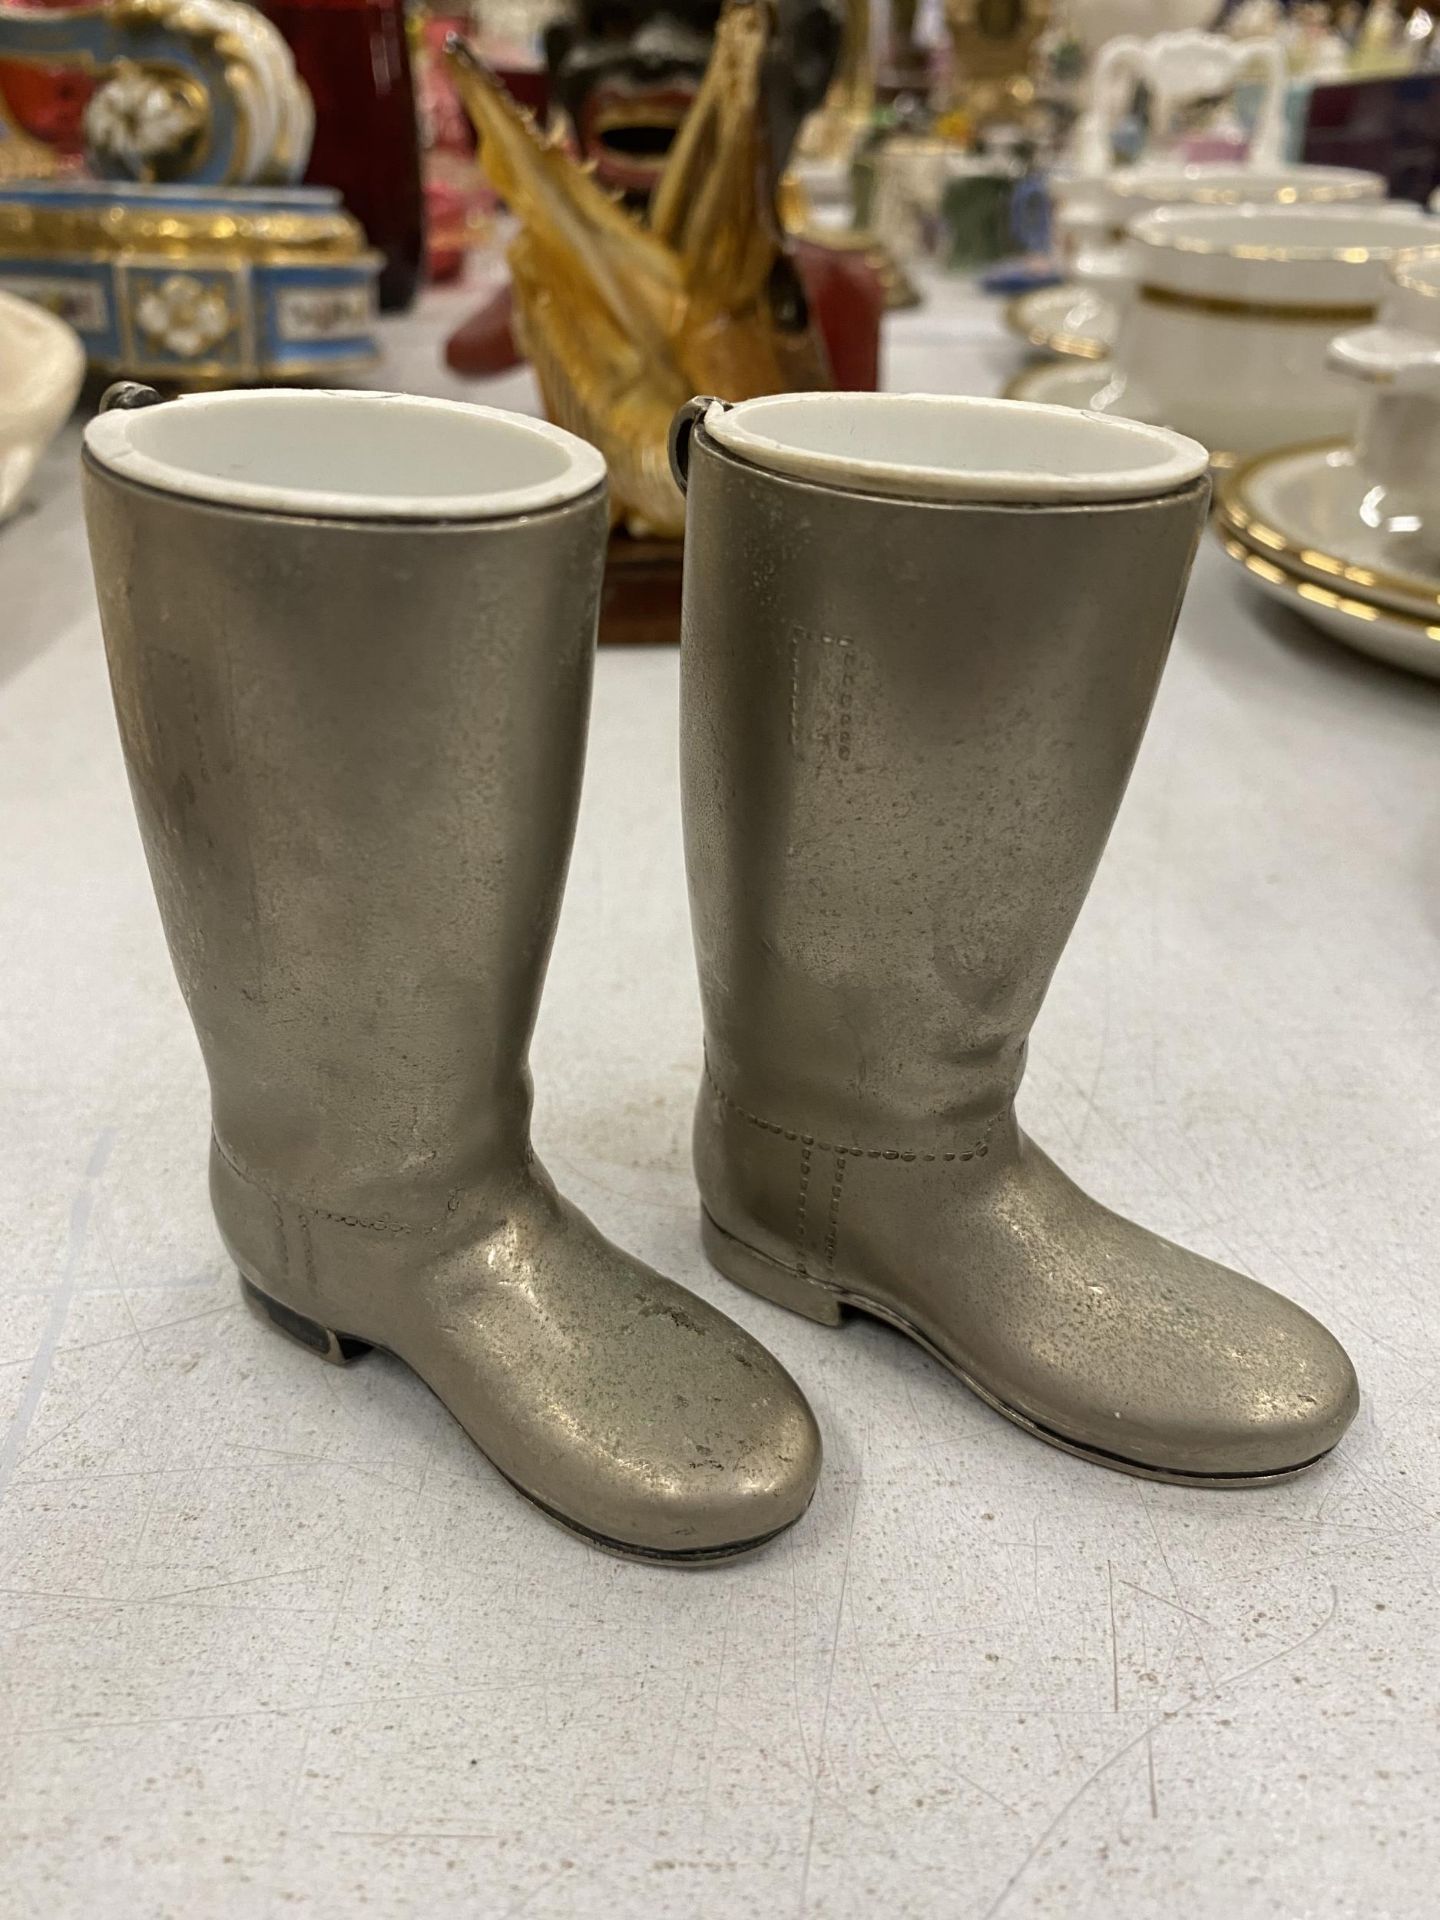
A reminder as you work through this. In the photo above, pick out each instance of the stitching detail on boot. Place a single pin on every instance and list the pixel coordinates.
(833, 1225)
(844, 652)
(805, 1152)
(281, 1236)
(284, 1238)
(320, 1213)
(807, 1140)
(847, 686)
(307, 1251)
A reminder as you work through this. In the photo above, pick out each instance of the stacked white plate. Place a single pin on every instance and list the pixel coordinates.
(1312, 531)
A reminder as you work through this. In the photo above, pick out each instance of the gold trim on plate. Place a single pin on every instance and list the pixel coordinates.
(1167, 241)
(1070, 346)
(1427, 289)
(1014, 387)
(1163, 194)
(1017, 388)
(106, 231)
(1319, 596)
(1307, 315)
(1232, 512)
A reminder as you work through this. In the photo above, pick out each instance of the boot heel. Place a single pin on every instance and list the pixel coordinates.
(758, 1273)
(337, 1348)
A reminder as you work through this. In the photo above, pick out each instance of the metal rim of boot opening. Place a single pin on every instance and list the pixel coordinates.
(351, 640)
(920, 643)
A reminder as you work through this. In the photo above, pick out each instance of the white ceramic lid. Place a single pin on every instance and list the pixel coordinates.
(1215, 183)
(946, 447)
(347, 455)
(1297, 255)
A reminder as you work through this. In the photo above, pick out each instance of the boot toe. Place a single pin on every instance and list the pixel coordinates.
(1179, 1367)
(1271, 1392)
(722, 1451)
(629, 1409)
(1125, 1347)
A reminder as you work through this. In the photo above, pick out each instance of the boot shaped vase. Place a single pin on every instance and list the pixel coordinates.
(350, 638)
(921, 640)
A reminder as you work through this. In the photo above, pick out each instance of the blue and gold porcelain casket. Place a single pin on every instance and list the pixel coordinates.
(188, 285)
(189, 259)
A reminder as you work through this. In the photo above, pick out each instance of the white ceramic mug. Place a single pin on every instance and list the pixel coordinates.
(1397, 363)
(1227, 328)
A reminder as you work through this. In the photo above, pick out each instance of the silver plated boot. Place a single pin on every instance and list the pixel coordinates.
(921, 641)
(351, 638)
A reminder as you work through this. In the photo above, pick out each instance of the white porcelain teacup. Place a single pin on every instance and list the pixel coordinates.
(1091, 215)
(1397, 363)
(1091, 218)
(1231, 312)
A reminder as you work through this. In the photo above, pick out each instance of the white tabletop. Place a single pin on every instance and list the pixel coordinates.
(277, 1641)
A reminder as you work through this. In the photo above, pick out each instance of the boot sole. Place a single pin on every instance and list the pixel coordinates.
(827, 1305)
(343, 1349)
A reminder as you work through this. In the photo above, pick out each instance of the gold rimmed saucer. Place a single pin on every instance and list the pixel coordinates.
(1067, 321)
(1313, 511)
(1088, 386)
(1399, 639)
(1061, 383)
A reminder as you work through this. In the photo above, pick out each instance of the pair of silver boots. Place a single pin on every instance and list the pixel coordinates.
(351, 642)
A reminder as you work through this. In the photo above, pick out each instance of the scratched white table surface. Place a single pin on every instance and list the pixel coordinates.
(277, 1641)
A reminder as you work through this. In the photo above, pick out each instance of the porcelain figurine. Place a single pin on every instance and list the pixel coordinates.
(1175, 70)
(191, 259)
(623, 313)
(992, 44)
(198, 90)
(194, 285)
(622, 81)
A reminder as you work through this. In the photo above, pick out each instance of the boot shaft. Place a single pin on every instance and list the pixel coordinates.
(906, 730)
(355, 749)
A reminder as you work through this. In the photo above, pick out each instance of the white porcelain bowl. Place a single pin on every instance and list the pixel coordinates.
(1094, 213)
(1231, 311)
(42, 364)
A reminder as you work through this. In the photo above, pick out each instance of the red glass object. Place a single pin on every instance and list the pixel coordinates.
(48, 102)
(445, 211)
(354, 57)
(485, 342)
(847, 301)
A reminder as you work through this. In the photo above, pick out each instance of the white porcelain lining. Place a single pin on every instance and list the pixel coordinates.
(352, 455)
(945, 447)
